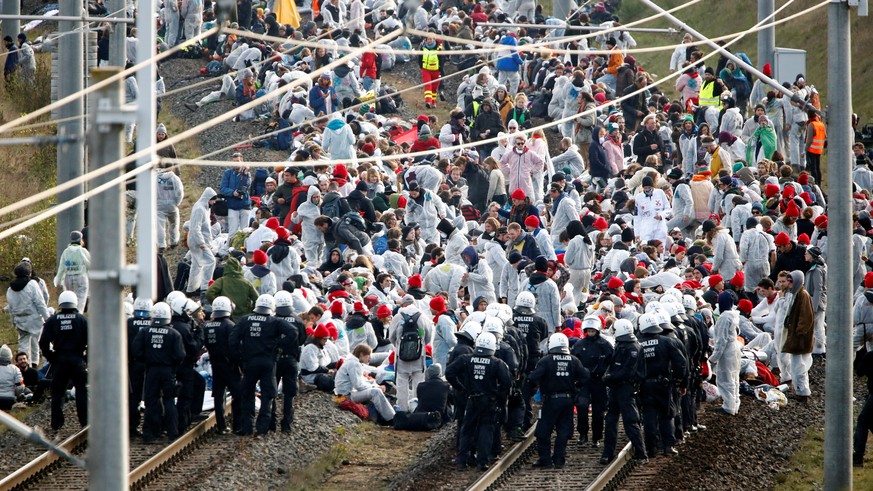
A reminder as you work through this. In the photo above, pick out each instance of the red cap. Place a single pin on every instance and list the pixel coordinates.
(680, 249)
(771, 190)
(738, 279)
(792, 210)
(309, 331)
(272, 223)
(568, 332)
(336, 308)
(360, 308)
(821, 221)
(806, 198)
(334, 332)
(707, 266)
(438, 304)
(383, 311)
(401, 202)
(803, 239)
(423, 117)
(532, 221)
(428, 350)
(788, 192)
(868, 280)
(714, 279)
(321, 332)
(283, 233)
(803, 179)
(518, 194)
(260, 257)
(614, 283)
(745, 306)
(782, 239)
(601, 224)
(368, 148)
(414, 281)
(341, 171)
(337, 294)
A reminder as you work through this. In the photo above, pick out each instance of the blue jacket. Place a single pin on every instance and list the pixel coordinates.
(509, 63)
(317, 102)
(241, 98)
(233, 180)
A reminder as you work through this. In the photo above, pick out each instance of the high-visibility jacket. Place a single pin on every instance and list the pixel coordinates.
(818, 138)
(430, 60)
(707, 98)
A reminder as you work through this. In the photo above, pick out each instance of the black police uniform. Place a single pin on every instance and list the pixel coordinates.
(534, 329)
(225, 371)
(626, 370)
(595, 353)
(864, 367)
(160, 348)
(486, 380)
(506, 353)
(287, 367)
(515, 407)
(135, 373)
(464, 347)
(63, 342)
(256, 339)
(665, 367)
(691, 345)
(559, 375)
(191, 384)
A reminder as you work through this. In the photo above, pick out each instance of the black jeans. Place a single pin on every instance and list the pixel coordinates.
(557, 415)
(68, 370)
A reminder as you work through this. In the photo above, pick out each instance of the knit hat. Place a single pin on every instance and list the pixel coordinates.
(647, 181)
(425, 130)
(518, 194)
(414, 281)
(438, 304)
(782, 239)
(725, 301)
(383, 311)
(532, 221)
(515, 257)
(771, 190)
(674, 173)
(627, 235)
(714, 280)
(360, 308)
(541, 264)
(745, 306)
(368, 148)
(726, 180)
(401, 202)
(868, 280)
(321, 332)
(5, 354)
(272, 223)
(407, 299)
(791, 210)
(767, 70)
(813, 251)
(806, 198)
(75, 236)
(788, 192)
(337, 308)
(161, 129)
(283, 233)
(333, 331)
(708, 225)
(803, 239)
(738, 279)
(340, 171)
(751, 223)
(601, 224)
(260, 257)
(614, 283)
(821, 221)
(803, 179)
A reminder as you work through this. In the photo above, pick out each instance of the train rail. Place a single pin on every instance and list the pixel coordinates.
(148, 462)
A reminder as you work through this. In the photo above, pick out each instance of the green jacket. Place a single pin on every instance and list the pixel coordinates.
(233, 286)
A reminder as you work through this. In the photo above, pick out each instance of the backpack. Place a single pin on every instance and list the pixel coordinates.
(406, 421)
(380, 244)
(331, 209)
(354, 219)
(470, 213)
(214, 68)
(410, 340)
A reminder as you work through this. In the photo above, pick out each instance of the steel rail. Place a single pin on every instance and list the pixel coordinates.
(47, 460)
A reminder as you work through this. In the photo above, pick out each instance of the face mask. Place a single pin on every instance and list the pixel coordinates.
(648, 192)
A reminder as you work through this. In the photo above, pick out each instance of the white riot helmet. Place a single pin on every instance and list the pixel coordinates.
(178, 304)
(664, 319)
(283, 299)
(161, 314)
(558, 343)
(674, 309)
(471, 330)
(478, 317)
(623, 327)
(494, 326)
(173, 296)
(142, 304)
(653, 306)
(672, 293)
(650, 323)
(265, 305)
(689, 303)
(68, 300)
(526, 300)
(486, 343)
(221, 307)
(592, 322)
(665, 299)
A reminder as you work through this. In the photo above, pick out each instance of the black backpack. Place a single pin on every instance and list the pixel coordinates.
(410, 340)
(354, 219)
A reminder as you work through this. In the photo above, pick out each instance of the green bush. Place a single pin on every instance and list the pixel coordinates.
(32, 94)
(36, 243)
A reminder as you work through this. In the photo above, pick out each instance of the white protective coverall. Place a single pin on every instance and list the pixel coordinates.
(726, 358)
(170, 193)
(199, 243)
(313, 239)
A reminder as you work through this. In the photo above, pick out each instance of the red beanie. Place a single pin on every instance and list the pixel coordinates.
(738, 279)
(806, 198)
(601, 224)
(868, 280)
(321, 332)
(383, 311)
(272, 223)
(803, 179)
(782, 239)
(680, 249)
(401, 202)
(792, 210)
(714, 279)
(803, 239)
(788, 192)
(335, 295)
(767, 70)
(368, 148)
(428, 350)
(614, 283)
(309, 331)
(260, 257)
(771, 190)
(340, 171)
(283, 233)
(745, 306)
(414, 281)
(821, 221)
(334, 332)
(360, 308)
(438, 304)
(518, 194)
(336, 308)
(532, 221)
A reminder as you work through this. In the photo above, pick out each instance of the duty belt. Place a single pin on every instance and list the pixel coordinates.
(559, 395)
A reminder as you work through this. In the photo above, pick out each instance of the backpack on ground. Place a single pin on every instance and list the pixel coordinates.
(410, 340)
(417, 421)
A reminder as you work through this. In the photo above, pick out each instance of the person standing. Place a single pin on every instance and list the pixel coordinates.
(191, 384)
(410, 331)
(287, 365)
(651, 209)
(625, 372)
(594, 352)
(171, 21)
(235, 187)
(200, 243)
(305, 215)
(796, 319)
(225, 369)
(559, 376)
(170, 193)
(27, 308)
(73, 269)
(141, 320)
(160, 348)
(816, 285)
(816, 137)
(63, 342)
(430, 70)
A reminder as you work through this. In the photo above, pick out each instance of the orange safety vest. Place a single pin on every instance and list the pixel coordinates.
(818, 138)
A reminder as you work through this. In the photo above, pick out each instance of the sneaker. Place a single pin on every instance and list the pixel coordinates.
(583, 439)
(671, 452)
(699, 428)
(605, 460)
(192, 107)
(641, 460)
(516, 435)
(595, 444)
(482, 467)
(559, 465)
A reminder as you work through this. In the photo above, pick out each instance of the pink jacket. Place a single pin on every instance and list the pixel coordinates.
(518, 169)
(615, 155)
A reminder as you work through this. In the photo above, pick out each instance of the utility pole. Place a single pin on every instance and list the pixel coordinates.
(71, 156)
(838, 375)
(108, 461)
(11, 27)
(146, 198)
(118, 36)
(767, 36)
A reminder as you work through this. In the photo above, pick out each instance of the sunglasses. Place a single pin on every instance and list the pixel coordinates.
(519, 144)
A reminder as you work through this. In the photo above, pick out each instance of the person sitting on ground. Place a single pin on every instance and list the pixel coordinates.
(350, 381)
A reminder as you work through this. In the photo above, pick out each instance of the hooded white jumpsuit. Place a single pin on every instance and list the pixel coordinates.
(445, 277)
(170, 194)
(171, 21)
(726, 357)
(313, 239)
(199, 243)
(192, 12)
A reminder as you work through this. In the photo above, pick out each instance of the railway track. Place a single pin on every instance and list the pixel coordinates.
(148, 461)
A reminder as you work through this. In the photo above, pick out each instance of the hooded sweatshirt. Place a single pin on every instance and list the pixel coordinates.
(235, 287)
(339, 141)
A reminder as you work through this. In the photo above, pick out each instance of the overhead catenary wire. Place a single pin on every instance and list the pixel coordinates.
(315, 163)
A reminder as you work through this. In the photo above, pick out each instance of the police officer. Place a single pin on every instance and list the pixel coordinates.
(289, 359)
(626, 370)
(693, 353)
(594, 352)
(506, 353)
(160, 348)
(486, 381)
(698, 327)
(559, 375)
(63, 342)
(225, 369)
(665, 366)
(256, 340)
(535, 330)
(190, 382)
(466, 339)
(136, 368)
